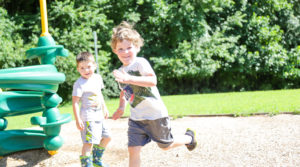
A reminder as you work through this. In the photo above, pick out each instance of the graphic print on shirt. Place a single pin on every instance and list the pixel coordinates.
(136, 94)
(94, 99)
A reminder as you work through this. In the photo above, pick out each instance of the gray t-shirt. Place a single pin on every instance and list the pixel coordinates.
(89, 91)
(145, 102)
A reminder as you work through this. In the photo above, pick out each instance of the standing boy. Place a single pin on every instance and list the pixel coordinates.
(149, 118)
(90, 116)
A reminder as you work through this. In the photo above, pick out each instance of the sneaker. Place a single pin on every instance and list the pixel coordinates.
(193, 143)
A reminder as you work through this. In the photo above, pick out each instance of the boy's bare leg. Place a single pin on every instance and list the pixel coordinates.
(86, 149)
(179, 140)
(134, 156)
(104, 141)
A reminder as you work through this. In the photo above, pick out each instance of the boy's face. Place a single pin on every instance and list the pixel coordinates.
(86, 68)
(126, 51)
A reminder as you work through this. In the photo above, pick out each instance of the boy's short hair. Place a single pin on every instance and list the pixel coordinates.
(125, 31)
(84, 56)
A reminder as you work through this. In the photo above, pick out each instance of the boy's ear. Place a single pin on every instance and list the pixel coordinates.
(138, 48)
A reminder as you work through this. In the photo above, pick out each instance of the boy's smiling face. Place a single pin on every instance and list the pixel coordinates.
(86, 68)
(126, 51)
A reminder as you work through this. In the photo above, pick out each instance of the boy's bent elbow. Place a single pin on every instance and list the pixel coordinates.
(152, 84)
(154, 81)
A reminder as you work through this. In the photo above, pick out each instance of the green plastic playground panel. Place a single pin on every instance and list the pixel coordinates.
(46, 50)
(18, 140)
(41, 84)
(20, 102)
(35, 68)
(39, 78)
(33, 78)
(42, 121)
(43, 50)
(37, 87)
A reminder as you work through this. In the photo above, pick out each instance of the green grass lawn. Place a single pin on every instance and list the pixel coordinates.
(237, 103)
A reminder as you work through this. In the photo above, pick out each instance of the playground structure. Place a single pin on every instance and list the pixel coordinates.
(37, 86)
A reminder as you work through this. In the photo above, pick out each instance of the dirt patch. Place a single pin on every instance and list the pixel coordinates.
(223, 141)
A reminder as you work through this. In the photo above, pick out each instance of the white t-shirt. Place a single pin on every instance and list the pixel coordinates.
(145, 102)
(89, 91)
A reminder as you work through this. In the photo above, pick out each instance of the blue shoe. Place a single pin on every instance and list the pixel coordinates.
(86, 161)
(97, 156)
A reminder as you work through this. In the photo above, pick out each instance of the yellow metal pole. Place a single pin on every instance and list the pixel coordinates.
(44, 18)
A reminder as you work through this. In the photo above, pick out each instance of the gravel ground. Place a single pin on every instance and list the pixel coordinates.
(257, 141)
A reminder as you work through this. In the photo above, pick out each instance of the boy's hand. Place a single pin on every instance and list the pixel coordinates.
(79, 124)
(121, 76)
(106, 114)
(118, 113)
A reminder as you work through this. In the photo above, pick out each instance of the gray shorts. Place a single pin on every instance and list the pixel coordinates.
(142, 132)
(94, 131)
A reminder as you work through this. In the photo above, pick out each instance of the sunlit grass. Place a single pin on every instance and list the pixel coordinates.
(236, 103)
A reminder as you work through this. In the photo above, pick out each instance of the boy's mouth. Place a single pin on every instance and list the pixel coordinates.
(126, 59)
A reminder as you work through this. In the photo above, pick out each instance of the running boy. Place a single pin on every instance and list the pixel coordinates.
(149, 118)
(90, 116)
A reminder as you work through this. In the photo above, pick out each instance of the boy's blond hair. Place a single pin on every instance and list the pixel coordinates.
(125, 31)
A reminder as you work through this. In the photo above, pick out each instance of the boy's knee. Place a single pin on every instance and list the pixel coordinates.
(86, 149)
(134, 150)
(107, 139)
(87, 145)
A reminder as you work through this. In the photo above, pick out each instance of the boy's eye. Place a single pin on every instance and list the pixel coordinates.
(123, 50)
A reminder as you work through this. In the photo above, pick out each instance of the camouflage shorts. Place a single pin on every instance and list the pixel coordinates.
(94, 131)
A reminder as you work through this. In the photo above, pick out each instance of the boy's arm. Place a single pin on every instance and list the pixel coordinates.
(75, 104)
(121, 109)
(144, 81)
(105, 110)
